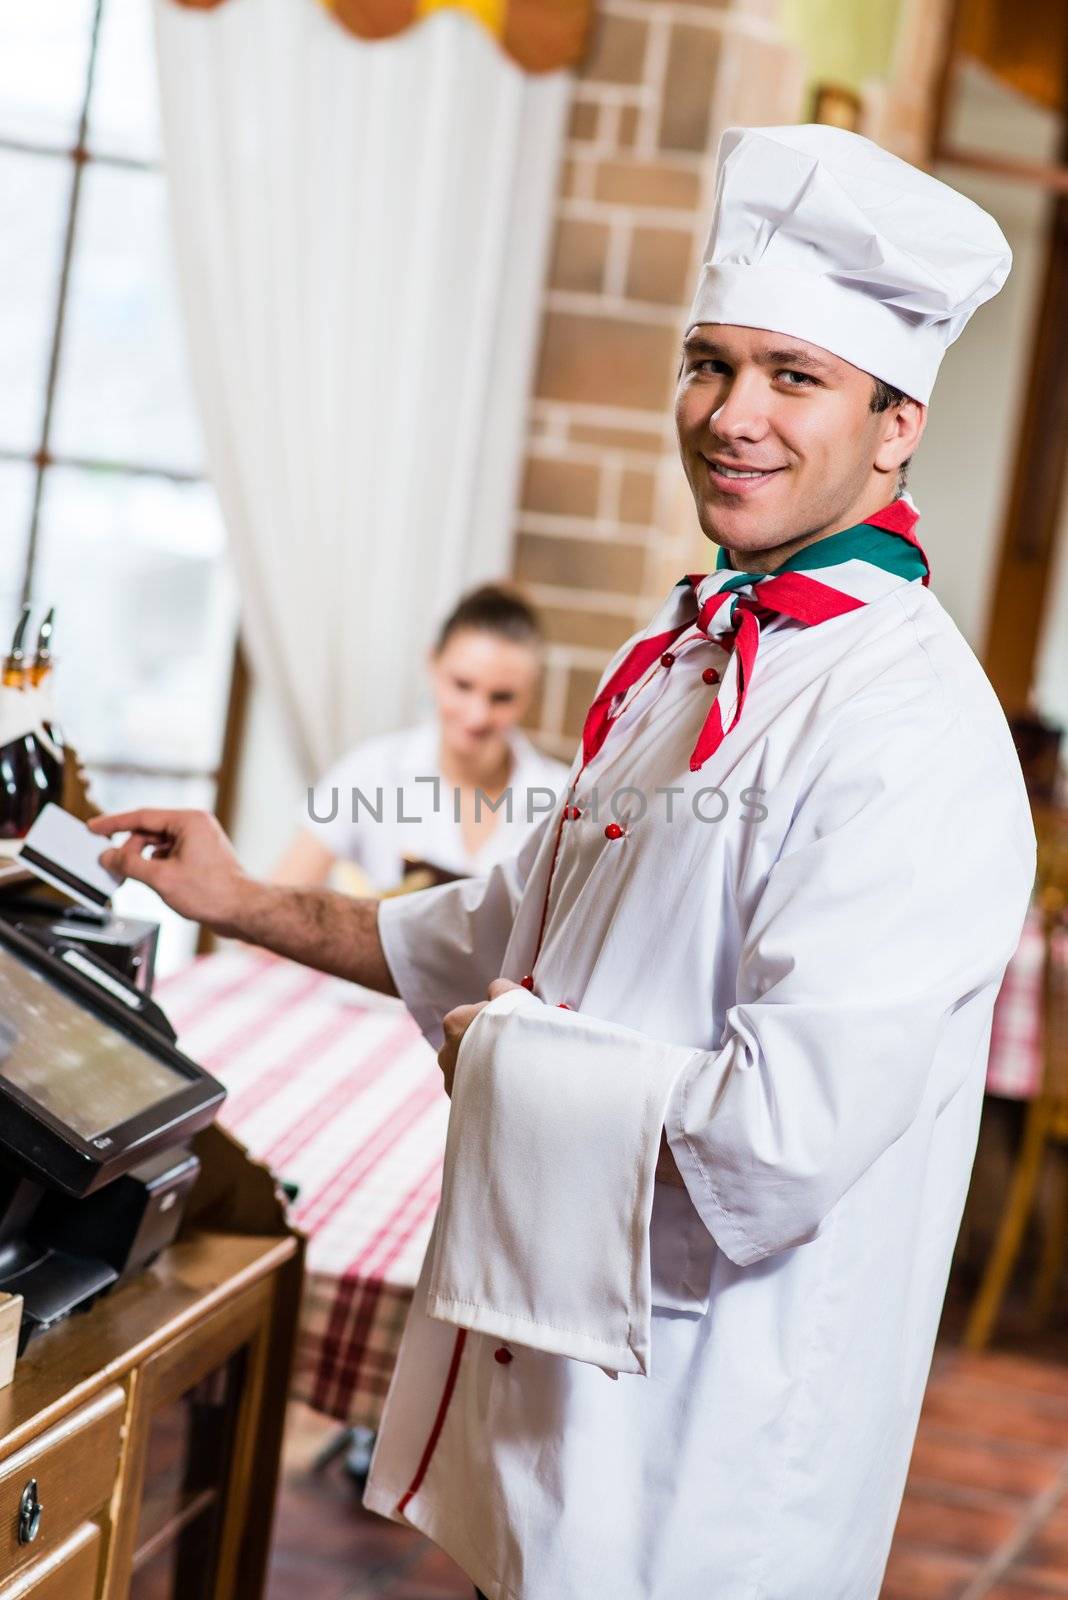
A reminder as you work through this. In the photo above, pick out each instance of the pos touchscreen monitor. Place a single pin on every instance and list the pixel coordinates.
(88, 1086)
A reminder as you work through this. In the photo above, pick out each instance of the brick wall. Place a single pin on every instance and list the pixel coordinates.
(606, 524)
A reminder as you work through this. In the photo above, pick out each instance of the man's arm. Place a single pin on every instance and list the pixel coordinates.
(187, 859)
(317, 927)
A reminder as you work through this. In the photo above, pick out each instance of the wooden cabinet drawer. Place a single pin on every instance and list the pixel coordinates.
(69, 1573)
(74, 1465)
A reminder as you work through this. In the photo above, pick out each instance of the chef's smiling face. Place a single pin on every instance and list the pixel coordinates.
(779, 440)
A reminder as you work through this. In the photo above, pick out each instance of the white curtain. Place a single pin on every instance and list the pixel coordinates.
(361, 232)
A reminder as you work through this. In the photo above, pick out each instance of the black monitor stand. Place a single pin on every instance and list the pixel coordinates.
(19, 1199)
(52, 1282)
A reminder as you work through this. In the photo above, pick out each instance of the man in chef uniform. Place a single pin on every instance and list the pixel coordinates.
(711, 1137)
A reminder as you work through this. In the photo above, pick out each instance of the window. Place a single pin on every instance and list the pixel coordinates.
(103, 500)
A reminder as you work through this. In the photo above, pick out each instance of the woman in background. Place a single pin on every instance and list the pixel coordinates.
(421, 794)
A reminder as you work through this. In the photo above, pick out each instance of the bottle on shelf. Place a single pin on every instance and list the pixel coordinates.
(15, 784)
(31, 761)
(41, 673)
(13, 672)
(41, 683)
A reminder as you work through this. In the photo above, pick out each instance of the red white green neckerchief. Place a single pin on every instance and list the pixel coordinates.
(826, 579)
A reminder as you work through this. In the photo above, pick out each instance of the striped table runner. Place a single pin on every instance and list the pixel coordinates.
(336, 1091)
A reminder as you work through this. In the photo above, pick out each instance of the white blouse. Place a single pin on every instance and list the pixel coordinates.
(387, 800)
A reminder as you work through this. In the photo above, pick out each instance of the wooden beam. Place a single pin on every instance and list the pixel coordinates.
(1038, 174)
(233, 738)
(229, 760)
(1023, 45)
(1032, 524)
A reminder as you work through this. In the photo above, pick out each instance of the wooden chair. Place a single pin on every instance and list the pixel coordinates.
(1046, 1126)
(1051, 832)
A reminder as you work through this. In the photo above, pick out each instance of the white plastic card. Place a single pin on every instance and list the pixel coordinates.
(61, 850)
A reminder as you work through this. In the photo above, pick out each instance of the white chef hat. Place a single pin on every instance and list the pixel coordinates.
(820, 234)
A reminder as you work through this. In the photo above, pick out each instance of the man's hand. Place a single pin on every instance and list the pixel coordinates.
(456, 1024)
(185, 857)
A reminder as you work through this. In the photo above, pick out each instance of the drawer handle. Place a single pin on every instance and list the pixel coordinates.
(30, 1511)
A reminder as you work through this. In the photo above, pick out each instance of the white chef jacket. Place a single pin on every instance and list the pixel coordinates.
(387, 800)
(804, 1001)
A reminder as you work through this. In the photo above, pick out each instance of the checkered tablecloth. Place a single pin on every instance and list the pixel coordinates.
(336, 1090)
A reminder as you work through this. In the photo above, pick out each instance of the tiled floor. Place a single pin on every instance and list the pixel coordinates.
(326, 1547)
(985, 1515)
(986, 1509)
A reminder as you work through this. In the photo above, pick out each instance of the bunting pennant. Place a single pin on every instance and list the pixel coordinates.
(540, 35)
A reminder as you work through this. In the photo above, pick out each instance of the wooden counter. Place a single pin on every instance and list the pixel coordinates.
(140, 1441)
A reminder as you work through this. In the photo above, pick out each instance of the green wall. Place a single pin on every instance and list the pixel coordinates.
(846, 42)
